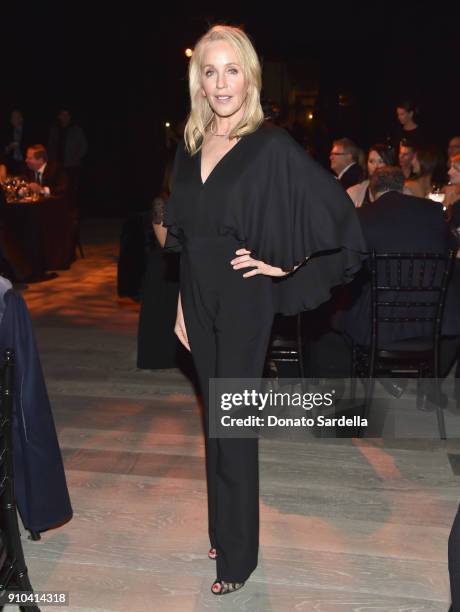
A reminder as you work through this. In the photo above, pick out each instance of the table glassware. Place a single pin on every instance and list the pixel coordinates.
(436, 194)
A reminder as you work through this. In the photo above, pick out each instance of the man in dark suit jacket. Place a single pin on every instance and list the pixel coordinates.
(344, 162)
(44, 177)
(399, 223)
(395, 222)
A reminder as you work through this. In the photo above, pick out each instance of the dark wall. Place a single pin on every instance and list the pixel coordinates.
(123, 72)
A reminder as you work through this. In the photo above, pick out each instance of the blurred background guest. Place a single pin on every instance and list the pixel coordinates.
(68, 146)
(17, 139)
(452, 191)
(406, 157)
(344, 160)
(454, 146)
(379, 155)
(409, 131)
(157, 344)
(452, 188)
(424, 165)
(44, 177)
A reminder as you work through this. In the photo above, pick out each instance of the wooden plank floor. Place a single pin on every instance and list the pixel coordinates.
(346, 525)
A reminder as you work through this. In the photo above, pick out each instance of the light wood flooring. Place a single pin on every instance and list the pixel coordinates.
(346, 525)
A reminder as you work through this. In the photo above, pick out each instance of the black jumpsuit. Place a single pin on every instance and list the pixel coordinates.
(228, 318)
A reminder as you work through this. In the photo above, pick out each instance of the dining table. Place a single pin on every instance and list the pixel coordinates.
(38, 235)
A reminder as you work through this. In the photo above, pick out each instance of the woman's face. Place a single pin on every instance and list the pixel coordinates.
(222, 79)
(415, 165)
(404, 116)
(454, 173)
(374, 161)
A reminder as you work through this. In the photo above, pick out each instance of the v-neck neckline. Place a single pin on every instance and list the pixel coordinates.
(200, 176)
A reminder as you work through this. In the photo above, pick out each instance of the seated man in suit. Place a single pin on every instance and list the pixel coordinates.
(344, 162)
(396, 222)
(44, 178)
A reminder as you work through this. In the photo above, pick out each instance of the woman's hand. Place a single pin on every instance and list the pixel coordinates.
(259, 267)
(179, 328)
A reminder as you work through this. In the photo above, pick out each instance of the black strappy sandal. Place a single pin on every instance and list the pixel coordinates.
(226, 587)
(212, 554)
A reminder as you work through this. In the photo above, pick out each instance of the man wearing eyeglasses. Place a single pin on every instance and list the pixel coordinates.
(344, 162)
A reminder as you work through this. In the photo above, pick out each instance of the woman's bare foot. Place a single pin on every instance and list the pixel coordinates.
(212, 554)
(220, 587)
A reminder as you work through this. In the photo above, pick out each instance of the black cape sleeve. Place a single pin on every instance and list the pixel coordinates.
(287, 208)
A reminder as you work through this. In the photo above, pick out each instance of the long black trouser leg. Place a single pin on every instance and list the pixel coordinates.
(229, 330)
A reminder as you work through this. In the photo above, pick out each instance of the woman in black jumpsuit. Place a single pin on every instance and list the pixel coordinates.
(228, 320)
(238, 229)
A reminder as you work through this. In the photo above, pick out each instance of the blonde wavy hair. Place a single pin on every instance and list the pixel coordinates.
(201, 114)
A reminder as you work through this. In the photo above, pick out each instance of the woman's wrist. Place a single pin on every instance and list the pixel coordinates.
(294, 268)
